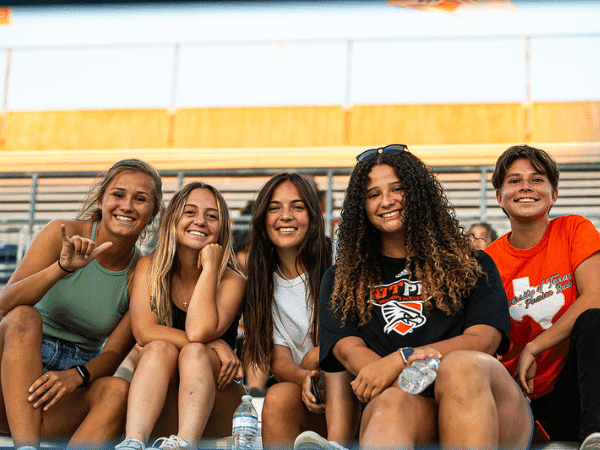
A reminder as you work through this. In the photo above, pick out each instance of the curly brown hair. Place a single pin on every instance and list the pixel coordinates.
(438, 251)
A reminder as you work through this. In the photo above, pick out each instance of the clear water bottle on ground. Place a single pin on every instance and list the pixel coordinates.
(415, 378)
(245, 425)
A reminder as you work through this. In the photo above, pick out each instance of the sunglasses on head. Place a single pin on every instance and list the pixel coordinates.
(394, 149)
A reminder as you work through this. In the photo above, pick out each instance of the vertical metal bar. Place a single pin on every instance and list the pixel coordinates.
(180, 177)
(528, 105)
(4, 118)
(172, 110)
(348, 83)
(329, 204)
(348, 91)
(32, 208)
(175, 74)
(483, 193)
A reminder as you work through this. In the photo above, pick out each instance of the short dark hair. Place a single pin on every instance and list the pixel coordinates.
(539, 159)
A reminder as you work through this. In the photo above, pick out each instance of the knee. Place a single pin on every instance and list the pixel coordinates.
(587, 322)
(111, 390)
(463, 375)
(23, 322)
(195, 351)
(160, 350)
(279, 399)
(390, 403)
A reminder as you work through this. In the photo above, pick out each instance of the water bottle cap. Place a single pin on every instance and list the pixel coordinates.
(434, 361)
(247, 398)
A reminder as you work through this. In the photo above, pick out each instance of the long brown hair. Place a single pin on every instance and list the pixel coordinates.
(438, 251)
(314, 256)
(164, 256)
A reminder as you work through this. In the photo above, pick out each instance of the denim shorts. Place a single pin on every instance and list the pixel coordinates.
(62, 355)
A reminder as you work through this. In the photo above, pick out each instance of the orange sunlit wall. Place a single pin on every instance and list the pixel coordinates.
(264, 128)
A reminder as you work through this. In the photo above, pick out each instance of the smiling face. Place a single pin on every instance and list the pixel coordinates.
(384, 202)
(525, 194)
(128, 203)
(199, 223)
(287, 219)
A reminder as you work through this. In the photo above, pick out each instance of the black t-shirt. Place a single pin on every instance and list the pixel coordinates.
(230, 335)
(399, 319)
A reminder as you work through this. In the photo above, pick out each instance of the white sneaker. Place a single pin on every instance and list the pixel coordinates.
(592, 442)
(309, 440)
(171, 443)
(130, 444)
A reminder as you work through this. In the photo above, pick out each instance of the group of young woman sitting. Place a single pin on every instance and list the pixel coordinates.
(406, 276)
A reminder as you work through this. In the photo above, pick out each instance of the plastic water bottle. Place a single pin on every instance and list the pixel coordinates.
(415, 378)
(245, 425)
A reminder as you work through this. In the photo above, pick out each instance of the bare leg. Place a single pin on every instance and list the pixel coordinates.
(480, 405)
(197, 389)
(149, 388)
(342, 408)
(89, 416)
(396, 419)
(226, 402)
(284, 416)
(219, 420)
(129, 364)
(21, 365)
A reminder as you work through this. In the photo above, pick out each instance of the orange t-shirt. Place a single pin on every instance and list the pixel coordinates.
(540, 287)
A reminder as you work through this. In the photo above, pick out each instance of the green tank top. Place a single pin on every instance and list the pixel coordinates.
(84, 307)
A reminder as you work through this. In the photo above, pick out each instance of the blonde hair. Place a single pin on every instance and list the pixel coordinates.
(91, 210)
(164, 261)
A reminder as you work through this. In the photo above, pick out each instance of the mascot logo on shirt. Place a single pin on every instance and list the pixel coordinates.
(401, 305)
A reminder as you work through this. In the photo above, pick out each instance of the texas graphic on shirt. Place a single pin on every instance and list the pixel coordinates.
(541, 302)
(401, 304)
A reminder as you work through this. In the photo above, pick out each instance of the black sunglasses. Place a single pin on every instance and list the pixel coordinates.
(394, 149)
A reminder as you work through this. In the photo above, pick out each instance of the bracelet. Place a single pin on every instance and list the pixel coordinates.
(60, 265)
(405, 353)
(85, 374)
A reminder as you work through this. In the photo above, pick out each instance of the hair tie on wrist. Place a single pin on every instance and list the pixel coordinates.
(60, 265)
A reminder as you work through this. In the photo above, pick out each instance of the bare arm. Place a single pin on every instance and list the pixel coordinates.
(213, 308)
(231, 366)
(39, 269)
(586, 276)
(144, 322)
(374, 373)
(285, 369)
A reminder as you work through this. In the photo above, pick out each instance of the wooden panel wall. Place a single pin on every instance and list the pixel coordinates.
(311, 136)
(317, 126)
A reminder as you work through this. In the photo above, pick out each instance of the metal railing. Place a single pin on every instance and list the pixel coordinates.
(30, 200)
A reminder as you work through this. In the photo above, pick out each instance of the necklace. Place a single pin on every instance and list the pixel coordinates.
(280, 273)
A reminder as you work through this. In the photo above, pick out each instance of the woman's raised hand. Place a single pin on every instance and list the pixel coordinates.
(77, 252)
(210, 254)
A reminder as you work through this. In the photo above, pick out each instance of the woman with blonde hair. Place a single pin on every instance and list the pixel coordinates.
(187, 296)
(65, 326)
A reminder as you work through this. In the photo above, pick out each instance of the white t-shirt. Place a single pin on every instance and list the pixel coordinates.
(291, 315)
